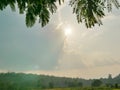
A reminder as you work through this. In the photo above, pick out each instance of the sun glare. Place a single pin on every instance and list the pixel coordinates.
(68, 31)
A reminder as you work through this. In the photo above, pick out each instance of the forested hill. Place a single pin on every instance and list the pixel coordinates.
(23, 81)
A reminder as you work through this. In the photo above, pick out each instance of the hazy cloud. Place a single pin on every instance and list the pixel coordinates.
(86, 53)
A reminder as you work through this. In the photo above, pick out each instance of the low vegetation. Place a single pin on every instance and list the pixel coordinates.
(85, 88)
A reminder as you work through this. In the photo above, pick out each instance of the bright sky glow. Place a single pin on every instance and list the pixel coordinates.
(67, 31)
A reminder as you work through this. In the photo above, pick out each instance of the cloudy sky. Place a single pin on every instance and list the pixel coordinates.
(62, 48)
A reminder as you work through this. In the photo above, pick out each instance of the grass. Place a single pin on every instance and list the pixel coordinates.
(84, 88)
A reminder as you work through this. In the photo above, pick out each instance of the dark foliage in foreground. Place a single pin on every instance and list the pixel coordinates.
(88, 11)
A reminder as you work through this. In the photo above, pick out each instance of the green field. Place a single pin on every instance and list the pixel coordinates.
(85, 88)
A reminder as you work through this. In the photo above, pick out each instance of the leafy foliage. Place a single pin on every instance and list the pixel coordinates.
(91, 11)
(33, 9)
(96, 83)
(88, 11)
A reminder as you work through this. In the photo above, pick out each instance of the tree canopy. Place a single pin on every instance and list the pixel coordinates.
(89, 12)
(96, 83)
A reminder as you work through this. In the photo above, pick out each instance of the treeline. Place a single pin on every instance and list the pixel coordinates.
(21, 81)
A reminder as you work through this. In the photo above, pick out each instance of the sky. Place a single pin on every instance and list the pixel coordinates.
(61, 48)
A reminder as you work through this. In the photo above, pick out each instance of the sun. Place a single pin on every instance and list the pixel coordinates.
(67, 31)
